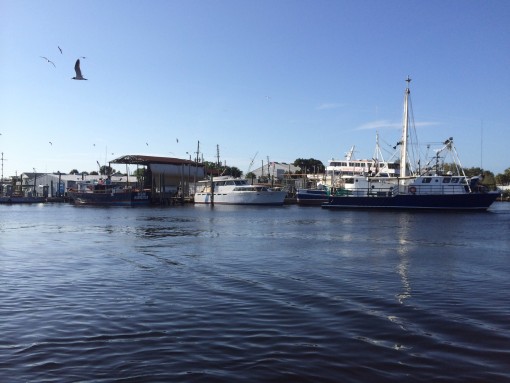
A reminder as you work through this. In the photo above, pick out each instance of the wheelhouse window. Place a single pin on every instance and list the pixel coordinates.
(426, 180)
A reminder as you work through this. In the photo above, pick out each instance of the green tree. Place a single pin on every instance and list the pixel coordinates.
(250, 176)
(140, 172)
(310, 165)
(473, 172)
(74, 171)
(231, 171)
(224, 170)
(503, 178)
(488, 177)
(106, 170)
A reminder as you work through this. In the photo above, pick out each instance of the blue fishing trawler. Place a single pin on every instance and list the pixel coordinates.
(427, 187)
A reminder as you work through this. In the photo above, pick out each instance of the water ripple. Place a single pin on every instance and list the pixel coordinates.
(230, 294)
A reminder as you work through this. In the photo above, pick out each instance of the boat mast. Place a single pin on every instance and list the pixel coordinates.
(405, 132)
(378, 156)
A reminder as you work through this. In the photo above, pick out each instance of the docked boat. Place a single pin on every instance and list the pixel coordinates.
(351, 177)
(227, 190)
(374, 167)
(313, 196)
(429, 187)
(109, 195)
(20, 199)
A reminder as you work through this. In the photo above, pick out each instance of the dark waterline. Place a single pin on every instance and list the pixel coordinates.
(194, 294)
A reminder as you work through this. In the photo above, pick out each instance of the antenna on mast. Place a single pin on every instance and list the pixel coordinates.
(481, 146)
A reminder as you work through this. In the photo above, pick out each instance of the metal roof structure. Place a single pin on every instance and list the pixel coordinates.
(135, 159)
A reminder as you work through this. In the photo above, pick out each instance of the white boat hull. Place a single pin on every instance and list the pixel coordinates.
(243, 198)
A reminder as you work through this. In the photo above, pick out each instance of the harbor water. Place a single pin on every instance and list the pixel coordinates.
(253, 294)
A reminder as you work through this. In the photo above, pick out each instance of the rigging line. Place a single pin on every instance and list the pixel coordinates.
(481, 146)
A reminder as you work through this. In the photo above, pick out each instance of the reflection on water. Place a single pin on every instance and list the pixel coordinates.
(255, 294)
(404, 232)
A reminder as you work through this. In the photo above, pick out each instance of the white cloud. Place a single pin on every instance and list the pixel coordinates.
(330, 105)
(384, 124)
(380, 124)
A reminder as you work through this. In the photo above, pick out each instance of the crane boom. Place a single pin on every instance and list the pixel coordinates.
(251, 163)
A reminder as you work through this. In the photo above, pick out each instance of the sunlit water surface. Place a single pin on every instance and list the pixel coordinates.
(194, 294)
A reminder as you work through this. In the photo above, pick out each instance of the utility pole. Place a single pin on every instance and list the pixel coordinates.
(2, 166)
(268, 170)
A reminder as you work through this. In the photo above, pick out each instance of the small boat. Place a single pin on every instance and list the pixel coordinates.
(108, 195)
(20, 199)
(227, 190)
(312, 196)
(429, 187)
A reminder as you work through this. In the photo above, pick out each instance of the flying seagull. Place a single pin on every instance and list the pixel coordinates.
(60, 49)
(48, 60)
(78, 71)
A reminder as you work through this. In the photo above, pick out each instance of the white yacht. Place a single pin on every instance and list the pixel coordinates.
(227, 190)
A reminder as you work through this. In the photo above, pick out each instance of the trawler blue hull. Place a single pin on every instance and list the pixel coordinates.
(471, 201)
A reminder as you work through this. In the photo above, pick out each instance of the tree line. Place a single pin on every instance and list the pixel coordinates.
(313, 166)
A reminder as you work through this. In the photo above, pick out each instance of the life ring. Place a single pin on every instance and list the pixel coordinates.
(412, 190)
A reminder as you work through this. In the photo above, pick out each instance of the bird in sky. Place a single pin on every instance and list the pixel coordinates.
(60, 49)
(78, 71)
(177, 140)
(51, 143)
(48, 60)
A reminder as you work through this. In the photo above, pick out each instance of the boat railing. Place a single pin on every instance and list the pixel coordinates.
(364, 192)
(437, 189)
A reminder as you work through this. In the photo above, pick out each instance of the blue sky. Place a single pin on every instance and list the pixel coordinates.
(278, 79)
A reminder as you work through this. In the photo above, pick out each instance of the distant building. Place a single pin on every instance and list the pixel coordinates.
(167, 175)
(55, 184)
(163, 175)
(275, 170)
